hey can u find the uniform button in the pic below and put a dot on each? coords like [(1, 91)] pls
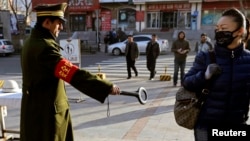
[(27, 92)]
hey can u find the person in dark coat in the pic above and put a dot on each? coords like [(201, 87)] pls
[(152, 52), (121, 35), (180, 47), (227, 104), (131, 53), (45, 112)]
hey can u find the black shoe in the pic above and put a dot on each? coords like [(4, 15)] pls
[(151, 78), (136, 74), (128, 77)]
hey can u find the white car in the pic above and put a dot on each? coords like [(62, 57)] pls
[(6, 47), (142, 41)]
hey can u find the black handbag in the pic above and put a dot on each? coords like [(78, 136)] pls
[(187, 107), (187, 104)]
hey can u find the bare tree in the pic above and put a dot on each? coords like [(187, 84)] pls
[(17, 7)]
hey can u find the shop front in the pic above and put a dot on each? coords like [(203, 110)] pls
[(114, 16), (83, 15), (211, 10), (164, 16)]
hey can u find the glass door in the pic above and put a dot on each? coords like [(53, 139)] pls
[(153, 20), (77, 22), (184, 20), (169, 20)]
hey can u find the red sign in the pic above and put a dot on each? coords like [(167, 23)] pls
[(139, 16), (88, 21), (106, 20), (175, 6), (217, 0), (83, 5)]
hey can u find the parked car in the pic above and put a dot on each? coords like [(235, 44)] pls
[(142, 41), (6, 47)]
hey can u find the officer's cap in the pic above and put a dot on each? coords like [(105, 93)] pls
[(53, 10)]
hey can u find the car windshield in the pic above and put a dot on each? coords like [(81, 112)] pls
[(7, 43)]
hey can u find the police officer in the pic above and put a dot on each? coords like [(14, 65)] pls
[(45, 109)]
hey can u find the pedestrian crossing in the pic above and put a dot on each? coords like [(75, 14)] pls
[(115, 70), (116, 67)]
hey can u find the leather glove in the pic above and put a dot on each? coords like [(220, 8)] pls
[(115, 90), (212, 70)]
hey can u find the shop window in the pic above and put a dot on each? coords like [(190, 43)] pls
[(210, 17), (153, 20), (126, 18), (77, 22)]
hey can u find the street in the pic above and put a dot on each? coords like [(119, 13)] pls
[(126, 118), (120, 118)]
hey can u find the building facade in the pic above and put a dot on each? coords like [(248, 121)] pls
[(143, 15)]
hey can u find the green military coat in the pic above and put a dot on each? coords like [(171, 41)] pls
[(45, 109)]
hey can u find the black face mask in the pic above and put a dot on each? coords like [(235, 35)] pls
[(224, 38)]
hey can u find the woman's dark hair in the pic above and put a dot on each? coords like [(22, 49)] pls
[(238, 18)]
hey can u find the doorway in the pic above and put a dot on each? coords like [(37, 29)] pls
[(153, 20), (184, 20), (169, 20)]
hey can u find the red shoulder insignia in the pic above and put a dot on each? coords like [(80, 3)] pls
[(65, 70)]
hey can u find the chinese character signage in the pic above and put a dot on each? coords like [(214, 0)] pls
[(83, 5), (176, 6)]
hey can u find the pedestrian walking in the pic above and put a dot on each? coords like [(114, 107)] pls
[(121, 35), (180, 47), (204, 44), (45, 108), (131, 53), (152, 52), (227, 104)]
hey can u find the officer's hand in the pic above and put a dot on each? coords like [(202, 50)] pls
[(115, 90), (212, 70)]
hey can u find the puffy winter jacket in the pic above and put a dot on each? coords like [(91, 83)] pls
[(228, 100)]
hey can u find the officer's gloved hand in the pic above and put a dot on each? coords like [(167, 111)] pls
[(212, 70)]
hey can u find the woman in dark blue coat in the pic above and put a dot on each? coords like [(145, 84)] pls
[(227, 103)]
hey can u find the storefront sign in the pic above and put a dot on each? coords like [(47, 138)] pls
[(83, 5), (216, 0), (222, 5), (175, 6), (106, 20), (139, 16)]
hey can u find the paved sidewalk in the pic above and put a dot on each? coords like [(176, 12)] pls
[(128, 120)]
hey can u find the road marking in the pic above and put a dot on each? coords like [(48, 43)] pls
[(1, 83)]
